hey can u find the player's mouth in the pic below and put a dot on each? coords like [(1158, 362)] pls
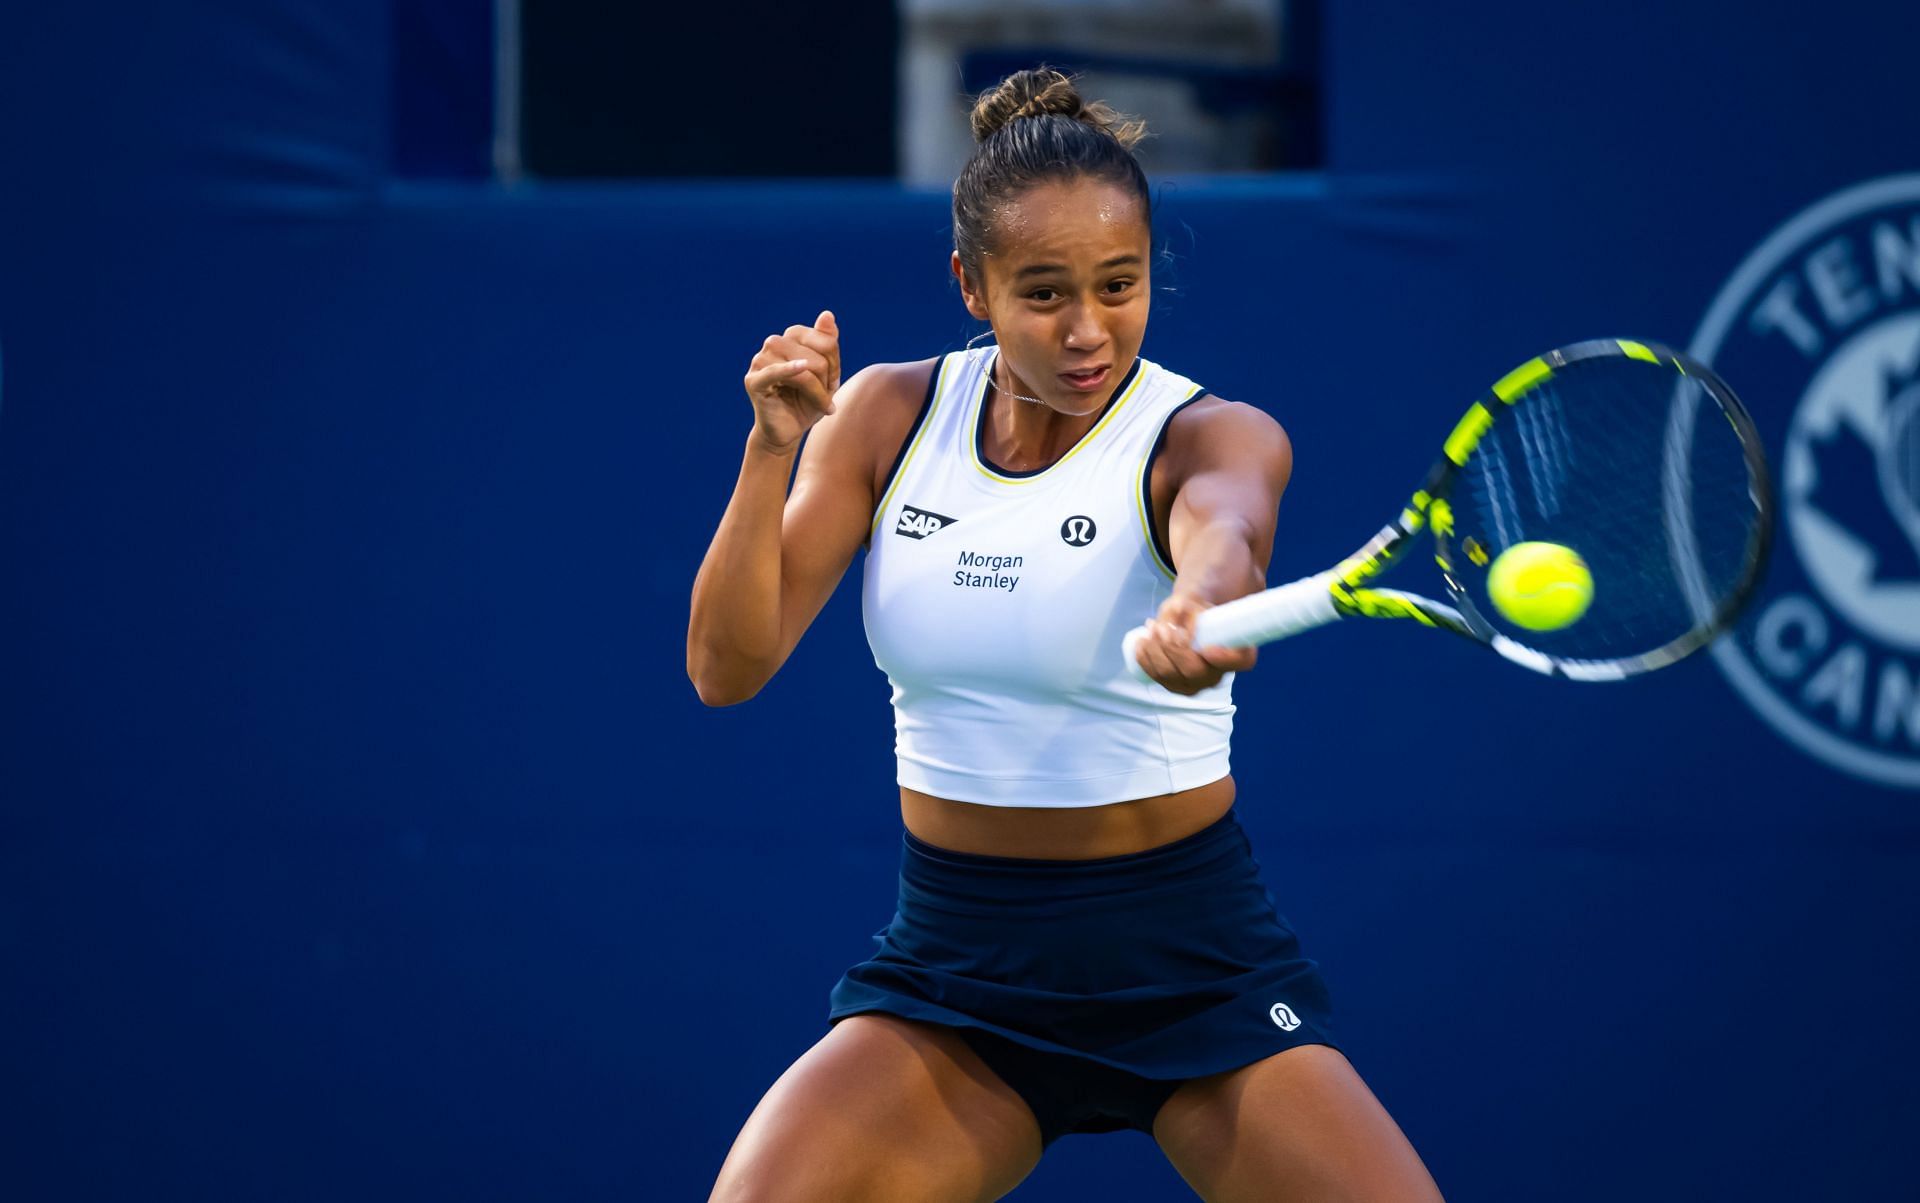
[(1088, 380)]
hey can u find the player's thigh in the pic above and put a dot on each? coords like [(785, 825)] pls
[(883, 1108), (1298, 1125)]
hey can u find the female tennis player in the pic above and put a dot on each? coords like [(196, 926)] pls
[(1082, 943)]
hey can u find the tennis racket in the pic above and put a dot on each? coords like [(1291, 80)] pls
[(1639, 459)]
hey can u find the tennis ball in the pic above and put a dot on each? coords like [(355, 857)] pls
[(1540, 586)]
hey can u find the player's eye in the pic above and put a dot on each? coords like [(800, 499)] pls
[(1042, 295)]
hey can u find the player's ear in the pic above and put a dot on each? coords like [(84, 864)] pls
[(976, 304)]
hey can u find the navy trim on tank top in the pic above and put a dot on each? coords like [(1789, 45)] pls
[(1160, 547), (913, 432), (980, 420)]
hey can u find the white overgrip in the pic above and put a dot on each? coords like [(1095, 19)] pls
[(1254, 619)]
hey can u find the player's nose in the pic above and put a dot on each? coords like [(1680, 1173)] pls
[(1084, 329)]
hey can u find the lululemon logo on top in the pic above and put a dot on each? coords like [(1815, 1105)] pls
[(1078, 531), (1819, 330), (1284, 1016), (918, 524)]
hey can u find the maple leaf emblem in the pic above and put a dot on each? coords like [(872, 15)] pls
[(1875, 493)]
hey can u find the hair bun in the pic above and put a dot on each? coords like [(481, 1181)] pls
[(1039, 91)]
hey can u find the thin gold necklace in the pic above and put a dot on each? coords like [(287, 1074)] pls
[(991, 383)]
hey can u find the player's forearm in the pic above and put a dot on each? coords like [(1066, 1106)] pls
[(1218, 563), (733, 635)]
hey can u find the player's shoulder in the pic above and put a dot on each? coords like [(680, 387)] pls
[(884, 399), (883, 392), (887, 379), (874, 410), (1211, 424)]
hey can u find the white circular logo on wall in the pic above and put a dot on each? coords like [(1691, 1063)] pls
[(1819, 332)]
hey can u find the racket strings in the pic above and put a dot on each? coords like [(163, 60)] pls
[(1635, 467)]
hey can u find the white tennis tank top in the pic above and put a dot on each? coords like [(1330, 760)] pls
[(995, 602)]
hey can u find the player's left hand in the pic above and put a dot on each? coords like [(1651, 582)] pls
[(1168, 656)]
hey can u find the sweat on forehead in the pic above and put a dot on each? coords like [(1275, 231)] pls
[(1065, 209)]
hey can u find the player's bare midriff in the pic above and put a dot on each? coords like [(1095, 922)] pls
[(1065, 833)]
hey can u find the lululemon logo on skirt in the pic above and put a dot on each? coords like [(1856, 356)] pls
[(1284, 1016)]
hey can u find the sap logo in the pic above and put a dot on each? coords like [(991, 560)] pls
[(918, 524), (1821, 325)]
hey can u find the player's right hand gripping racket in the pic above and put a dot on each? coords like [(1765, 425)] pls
[(1637, 458)]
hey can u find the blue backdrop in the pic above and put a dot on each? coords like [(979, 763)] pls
[(361, 836)]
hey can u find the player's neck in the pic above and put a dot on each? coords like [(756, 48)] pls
[(1021, 436)]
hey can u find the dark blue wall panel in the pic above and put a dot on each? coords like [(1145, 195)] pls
[(360, 835)]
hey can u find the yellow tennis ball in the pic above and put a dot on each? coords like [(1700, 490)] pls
[(1540, 586)]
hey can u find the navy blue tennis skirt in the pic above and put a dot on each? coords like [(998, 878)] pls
[(1095, 987)]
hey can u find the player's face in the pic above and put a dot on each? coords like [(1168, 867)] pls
[(1066, 288)]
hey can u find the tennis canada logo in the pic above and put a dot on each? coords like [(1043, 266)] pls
[(1819, 332)]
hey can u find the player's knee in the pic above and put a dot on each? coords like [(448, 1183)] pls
[(757, 1180), (779, 1158), (769, 1180), (742, 1188)]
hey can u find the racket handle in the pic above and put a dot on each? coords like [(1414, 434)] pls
[(1254, 619)]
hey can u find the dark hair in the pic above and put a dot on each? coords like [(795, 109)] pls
[(1031, 129)]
